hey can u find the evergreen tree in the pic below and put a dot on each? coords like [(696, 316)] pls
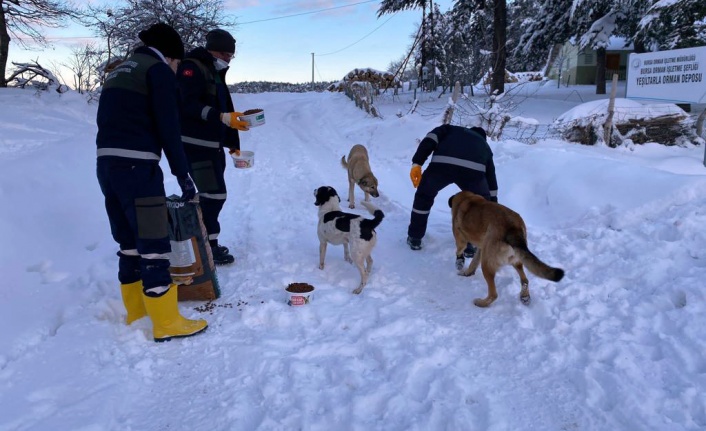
[(547, 24), (476, 24), (519, 13), (673, 25)]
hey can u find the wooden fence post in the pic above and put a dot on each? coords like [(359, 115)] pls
[(608, 126)]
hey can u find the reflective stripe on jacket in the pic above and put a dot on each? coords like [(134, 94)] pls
[(138, 115), (204, 96), (459, 146)]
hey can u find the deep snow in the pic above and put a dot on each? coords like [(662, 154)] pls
[(618, 344)]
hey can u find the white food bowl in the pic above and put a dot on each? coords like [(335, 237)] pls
[(299, 294), (254, 117), (245, 160)]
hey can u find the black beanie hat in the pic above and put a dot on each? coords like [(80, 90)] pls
[(480, 131), (165, 39), (220, 41)]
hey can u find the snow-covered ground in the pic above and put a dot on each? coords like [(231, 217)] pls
[(618, 344)]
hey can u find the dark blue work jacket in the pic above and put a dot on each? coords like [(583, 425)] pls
[(459, 147), (204, 96), (138, 113)]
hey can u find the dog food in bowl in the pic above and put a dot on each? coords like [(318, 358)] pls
[(299, 294), (254, 117), (245, 160)]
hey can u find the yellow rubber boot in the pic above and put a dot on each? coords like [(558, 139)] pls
[(132, 298), (167, 322)]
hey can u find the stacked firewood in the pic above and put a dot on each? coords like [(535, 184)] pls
[(379, 80)]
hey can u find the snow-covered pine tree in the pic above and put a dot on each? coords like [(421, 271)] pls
[(519, 14), (593, 23), (546, 24), (474, 28), (672, 25)]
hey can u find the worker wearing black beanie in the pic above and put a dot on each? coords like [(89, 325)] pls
[(220, 41), (165, 39), (138, 121)]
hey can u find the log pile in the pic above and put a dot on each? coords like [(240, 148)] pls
[(665, 129), (378, 79), (509, 78), (670, 129)]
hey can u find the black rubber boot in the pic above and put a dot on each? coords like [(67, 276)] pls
[(220, 257), (470, 251), (414, 243), (222, 248)]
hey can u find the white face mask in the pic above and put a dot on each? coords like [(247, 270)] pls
[(220, 64)]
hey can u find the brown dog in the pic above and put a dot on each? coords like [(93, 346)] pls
[(501, 237), (359, 172)]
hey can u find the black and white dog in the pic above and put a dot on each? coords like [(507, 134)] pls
[(337, 227)]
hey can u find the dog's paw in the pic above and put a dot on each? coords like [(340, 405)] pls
[(358, 289), (321, 266), (348, 259), (460, 261), (351, 206), (484, 302), (466, 273)]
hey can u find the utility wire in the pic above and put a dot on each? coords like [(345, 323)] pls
[(359, 40), (306, 13), (239, 23)]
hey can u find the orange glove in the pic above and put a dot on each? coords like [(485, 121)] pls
[(230, 119), (415, 175), (234, 151)]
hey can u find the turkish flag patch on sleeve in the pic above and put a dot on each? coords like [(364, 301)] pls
[(188, 73)]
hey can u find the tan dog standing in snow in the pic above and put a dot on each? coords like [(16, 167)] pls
[(359, 172)]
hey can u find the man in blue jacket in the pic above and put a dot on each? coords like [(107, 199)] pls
[(138, 118), (208, 125), (461, 156)]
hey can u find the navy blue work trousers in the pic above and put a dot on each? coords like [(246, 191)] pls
[(208, 167), (434, 179), (136, 206)]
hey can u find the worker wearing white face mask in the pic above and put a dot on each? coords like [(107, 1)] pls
[(208, 124)]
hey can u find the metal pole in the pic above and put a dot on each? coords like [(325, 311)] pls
[(312, 70)]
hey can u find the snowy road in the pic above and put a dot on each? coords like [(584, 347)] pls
[(617, 344)]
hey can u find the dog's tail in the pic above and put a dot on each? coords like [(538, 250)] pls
[(517, 241), (378, 215), (343, 162)]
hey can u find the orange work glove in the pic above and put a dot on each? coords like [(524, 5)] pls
[(234, 151), (415, 175), (230, 119)]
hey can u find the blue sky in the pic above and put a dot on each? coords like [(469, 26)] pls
[(276, 39)]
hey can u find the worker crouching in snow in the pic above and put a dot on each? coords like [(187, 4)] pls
[(461, 156)]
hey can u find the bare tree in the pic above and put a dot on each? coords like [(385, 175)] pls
[(34, 75), (119, 27), (84, 64), (26, 17)]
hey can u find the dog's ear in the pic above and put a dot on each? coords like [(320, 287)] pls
[(451, 201), (363, 182), (321, 195)]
